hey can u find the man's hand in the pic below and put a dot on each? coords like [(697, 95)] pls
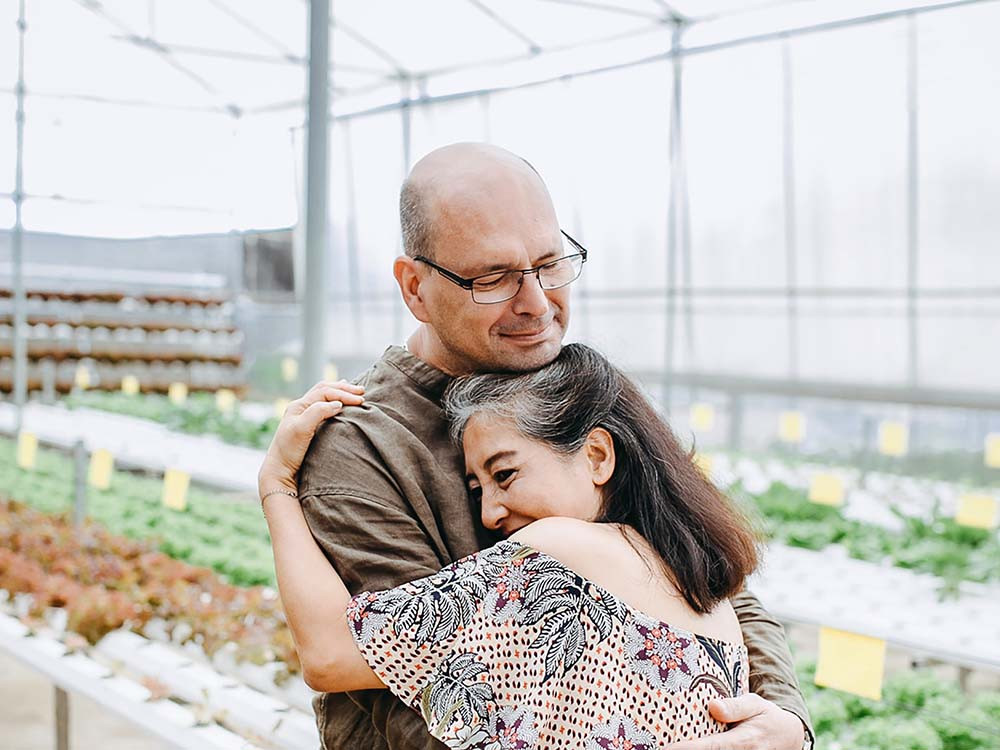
[(760, 725)]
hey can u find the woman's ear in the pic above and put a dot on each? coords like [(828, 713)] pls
[(600, 452), (408, 277)]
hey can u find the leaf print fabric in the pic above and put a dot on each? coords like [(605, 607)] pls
[(509, 649)]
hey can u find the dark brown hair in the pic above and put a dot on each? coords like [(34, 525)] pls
[(705, 544)]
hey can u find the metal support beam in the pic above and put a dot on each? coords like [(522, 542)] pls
[(353, 263), (406, 132), (912, 203), (61, 718), (317, 204), (17, 239), (788, 186), (672, 211)]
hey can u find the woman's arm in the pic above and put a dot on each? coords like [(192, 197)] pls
[(314, 598)]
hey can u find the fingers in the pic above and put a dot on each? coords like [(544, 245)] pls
[(732, 710), (316, 413), (346, 393), (342, 385)]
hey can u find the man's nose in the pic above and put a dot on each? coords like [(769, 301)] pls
[(530, 298)]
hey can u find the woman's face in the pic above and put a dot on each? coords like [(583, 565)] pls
[(519, 480)]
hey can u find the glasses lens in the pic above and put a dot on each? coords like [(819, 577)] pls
[(560, 273), (496, 288)]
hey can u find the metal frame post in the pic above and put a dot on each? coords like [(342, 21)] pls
[(406, 134), (61, 718), (17, 240), (791, 217), (912, 200), (673, 210), (317, 203)]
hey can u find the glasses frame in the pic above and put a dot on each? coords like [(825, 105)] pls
[(468, 283)]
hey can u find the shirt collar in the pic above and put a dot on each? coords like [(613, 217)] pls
[(428, 377)]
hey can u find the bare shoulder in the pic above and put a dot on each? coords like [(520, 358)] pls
[(574, 542)]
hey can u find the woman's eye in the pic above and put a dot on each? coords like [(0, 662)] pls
[(476, 494), (502, 476)]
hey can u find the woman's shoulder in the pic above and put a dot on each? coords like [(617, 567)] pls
[(577, 544)]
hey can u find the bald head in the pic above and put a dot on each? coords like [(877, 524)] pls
[(455, 188)]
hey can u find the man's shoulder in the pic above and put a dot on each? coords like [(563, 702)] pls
[(400, 425)]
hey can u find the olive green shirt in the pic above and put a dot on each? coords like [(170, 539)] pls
[(383, 490)]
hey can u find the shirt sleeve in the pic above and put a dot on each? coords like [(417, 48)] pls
[(374, 539), (772, 671), (420, 639)]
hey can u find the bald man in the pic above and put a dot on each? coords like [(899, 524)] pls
[(383, 487)]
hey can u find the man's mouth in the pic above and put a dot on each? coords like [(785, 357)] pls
[(529, 335)]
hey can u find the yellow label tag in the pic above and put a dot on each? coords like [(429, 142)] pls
[(792, 427), (893, 439), (101, 465), (977, 510), (225, 400), (177, 393), (704, 462), (280, 404), (175, 487), (330, 372), (289, 369), (702, 417), (992, 451), (81, 379), (851, 662), (27, 450), (827, 489), (130, 385)]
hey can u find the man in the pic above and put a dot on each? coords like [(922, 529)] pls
[(382, 487)]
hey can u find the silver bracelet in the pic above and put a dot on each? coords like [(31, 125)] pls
[(268, 494)]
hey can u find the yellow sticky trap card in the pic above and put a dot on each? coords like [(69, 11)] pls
[(130, 385), (977, 510), (704, 462), (330, 372), (702, 417), (827, 489), (225, 400), (893, 439), (175, 487), (177, 393), (851, 662), (792, 427), (27, 450), (992, 451), (81, 378), (101, 465), (289, 369), (280, 404)]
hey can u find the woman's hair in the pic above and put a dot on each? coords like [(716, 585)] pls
[(705, 543)]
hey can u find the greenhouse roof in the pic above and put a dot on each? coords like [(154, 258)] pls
[(249, 57)]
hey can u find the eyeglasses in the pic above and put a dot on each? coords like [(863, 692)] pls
[(500, 286)]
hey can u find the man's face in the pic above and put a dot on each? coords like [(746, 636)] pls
[(508, 226)]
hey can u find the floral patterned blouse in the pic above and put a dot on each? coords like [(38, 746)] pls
[(509, 649)]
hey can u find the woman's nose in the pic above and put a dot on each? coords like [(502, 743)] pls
[(492, 514)]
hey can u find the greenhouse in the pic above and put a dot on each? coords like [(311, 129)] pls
[(777, 220)]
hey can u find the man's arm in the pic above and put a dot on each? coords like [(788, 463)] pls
[(375, 540), (772, 671)]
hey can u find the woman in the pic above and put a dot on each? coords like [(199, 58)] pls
[(601, 621)]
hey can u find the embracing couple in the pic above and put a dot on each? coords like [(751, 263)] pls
[(498, 542)]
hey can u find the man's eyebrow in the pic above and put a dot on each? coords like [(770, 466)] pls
[(540, 261)]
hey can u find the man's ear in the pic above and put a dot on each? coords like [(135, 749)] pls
[(408, 277), (600, 448)]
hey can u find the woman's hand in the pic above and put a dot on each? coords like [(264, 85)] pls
[(298, 425)]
